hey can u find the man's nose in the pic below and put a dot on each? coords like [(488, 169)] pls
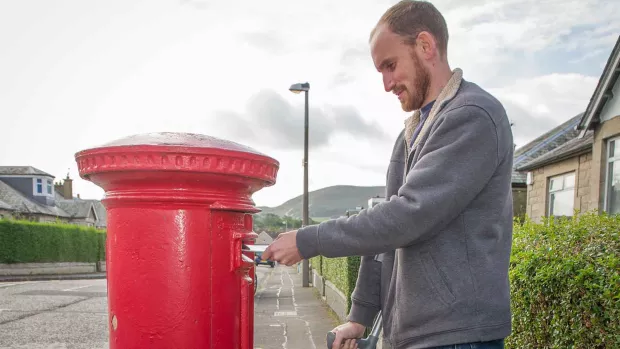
[(388, 84)]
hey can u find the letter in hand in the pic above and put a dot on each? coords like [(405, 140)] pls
[(284, 249)]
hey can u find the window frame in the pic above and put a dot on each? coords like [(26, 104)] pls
[(47, 186), (609, 160), (564, 188), (38, 184)]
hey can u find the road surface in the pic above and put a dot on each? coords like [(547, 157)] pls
[(68, 314)]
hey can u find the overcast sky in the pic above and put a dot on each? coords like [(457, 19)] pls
[(76, 74)]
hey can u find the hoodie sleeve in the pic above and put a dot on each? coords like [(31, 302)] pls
[(366, 297), (460, 157)]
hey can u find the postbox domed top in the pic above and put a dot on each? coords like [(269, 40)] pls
[(180, 152), (175, 139)]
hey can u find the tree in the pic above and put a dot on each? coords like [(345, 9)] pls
[(270, 223)]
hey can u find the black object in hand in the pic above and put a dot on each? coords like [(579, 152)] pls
[(369, 342)]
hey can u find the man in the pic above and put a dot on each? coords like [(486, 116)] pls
[(435, 255)]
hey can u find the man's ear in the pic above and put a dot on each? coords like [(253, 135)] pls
[(427, 46)]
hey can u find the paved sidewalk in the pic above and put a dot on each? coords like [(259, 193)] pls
[(72, 314), (48, 277), (289, 316)]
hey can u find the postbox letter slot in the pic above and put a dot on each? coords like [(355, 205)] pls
[(238, 248), (253, 248)]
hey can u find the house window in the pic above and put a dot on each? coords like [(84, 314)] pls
[(49, 187), (39, 186), (562, 195), (612, 180)]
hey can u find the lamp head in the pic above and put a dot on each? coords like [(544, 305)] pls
[(300, 87)]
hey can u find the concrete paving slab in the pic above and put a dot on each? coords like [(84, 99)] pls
[(289, 316)]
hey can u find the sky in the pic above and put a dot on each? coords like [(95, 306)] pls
[(78, 74)]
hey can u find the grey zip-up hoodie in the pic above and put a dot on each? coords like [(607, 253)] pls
[(435, 255)]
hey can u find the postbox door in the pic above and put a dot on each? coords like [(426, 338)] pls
[(233, 278)]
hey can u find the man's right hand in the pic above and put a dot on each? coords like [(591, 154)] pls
[(350, 330)]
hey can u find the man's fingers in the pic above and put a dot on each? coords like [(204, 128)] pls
[(267, 254), (350, 344), (338, 340)]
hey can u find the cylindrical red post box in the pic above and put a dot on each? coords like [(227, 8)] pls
[(179, 210)]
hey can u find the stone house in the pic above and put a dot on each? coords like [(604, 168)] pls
[(579, 169), (29, 193), (540, 146)]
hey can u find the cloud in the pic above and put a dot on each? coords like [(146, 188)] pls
[(352, 60), (196, 4), (271, 120), (342, 78), (177, 66), (526, 124), (537, 105), (267, 40), (353, 55), (531, 25), (498, 42)]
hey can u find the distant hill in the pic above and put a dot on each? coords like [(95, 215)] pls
[(328, 202)]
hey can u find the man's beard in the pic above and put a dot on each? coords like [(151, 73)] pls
[(421, 85)]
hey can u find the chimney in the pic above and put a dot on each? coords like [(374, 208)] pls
[(67, 188), (58, 187)]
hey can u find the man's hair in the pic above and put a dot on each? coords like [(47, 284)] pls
[(408, 18)]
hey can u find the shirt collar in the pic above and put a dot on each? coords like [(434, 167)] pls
[(426, 109)]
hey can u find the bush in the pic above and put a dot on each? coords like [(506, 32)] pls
[(565, 283), (30, 242), (564, 277), (317, 264), (342, 272)]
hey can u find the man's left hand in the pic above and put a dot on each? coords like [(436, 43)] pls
[(284, 249)]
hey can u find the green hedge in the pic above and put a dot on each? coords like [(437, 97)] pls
[(565, 282), (30, 242), (317, 264), (342, 272)]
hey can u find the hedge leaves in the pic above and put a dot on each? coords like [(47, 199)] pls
[(564, 277)]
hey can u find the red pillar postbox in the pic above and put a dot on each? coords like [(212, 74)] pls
[(179, 209)]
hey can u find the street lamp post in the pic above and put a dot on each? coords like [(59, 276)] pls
[(298, 88)]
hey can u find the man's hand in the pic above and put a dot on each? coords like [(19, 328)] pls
[(284, 249), (346, 335)]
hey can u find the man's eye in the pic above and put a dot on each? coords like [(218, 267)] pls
[(391, 66)]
